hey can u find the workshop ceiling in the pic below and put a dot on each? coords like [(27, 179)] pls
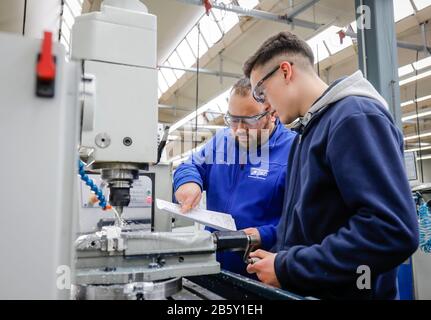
[(229, 39)]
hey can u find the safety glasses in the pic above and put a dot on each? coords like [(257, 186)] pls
[(249, 121), (258, 91)]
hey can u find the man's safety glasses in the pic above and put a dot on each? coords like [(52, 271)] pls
[(249, 121)]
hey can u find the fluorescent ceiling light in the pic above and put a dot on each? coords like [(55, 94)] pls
[(405, 70), (424, 98), (423, 158), (417, 149), (407, 103), (415, 116), (423, 63), (414, 78), (422, 135)]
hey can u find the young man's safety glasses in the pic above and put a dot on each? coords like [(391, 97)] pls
[(258, 91)]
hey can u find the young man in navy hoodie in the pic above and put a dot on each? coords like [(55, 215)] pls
[(348, 214), (243, 171)]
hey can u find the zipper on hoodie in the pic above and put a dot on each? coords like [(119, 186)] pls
[(294, 181), (301, 133)]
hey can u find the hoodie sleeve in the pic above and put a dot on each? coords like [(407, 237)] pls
[(267, 235), (365, 156), (194, 169)]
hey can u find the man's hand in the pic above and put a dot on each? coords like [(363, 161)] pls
[(255, 233), (188, 195), (264, 268)]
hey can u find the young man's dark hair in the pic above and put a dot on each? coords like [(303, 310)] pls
[(348, 217), (283, 43)]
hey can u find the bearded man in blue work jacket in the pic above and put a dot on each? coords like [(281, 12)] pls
[(349, 219), (243, 171)]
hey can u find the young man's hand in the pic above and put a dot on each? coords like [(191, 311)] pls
[(254, 232), (264, 268), (188, 196)]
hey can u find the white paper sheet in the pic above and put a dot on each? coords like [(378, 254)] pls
[(216, 220)]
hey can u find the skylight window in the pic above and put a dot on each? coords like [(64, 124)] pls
[(75, 6), (402, 9), (175, 61), (421, 4), (227, 20), (192, 38), (184, 55), (220, 101), (71, 9), (169, 76), (163, 86), (318, 46), (248, 4), (210, 30), (332, 40)]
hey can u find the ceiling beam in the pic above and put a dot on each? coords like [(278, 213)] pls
[(259, 14)]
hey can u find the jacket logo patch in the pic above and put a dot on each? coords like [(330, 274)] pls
[(258, 173)]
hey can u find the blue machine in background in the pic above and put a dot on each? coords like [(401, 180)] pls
[(414, 281)]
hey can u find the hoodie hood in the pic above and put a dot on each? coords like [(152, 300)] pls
[(354, 85)]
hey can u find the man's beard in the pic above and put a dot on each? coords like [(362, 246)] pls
[(252, 141)]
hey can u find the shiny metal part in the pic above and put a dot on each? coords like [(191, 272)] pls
[(102, 140), (114, 256), (152, 290)]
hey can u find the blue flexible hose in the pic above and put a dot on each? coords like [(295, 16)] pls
[(89, 182)]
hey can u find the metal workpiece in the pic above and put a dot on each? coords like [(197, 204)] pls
[(157, 290), (143, 242), (115, 256)]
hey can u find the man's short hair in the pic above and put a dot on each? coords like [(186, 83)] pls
[(242, 87), (283, 43)]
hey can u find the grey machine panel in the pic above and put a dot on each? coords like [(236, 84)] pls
[(38, 167)]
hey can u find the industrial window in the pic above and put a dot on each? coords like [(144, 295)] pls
[(192, 38), (163, 86), (210, 30), (248, 4), (402, 9), (169, 76), (186, 54), (71, 9), (227, 20), (318, 46), (175, 61), (421, 4), (332, 40)]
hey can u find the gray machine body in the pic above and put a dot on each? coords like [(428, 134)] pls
[(38, 169)]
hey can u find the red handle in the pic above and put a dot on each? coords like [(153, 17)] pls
[(46, 65)]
